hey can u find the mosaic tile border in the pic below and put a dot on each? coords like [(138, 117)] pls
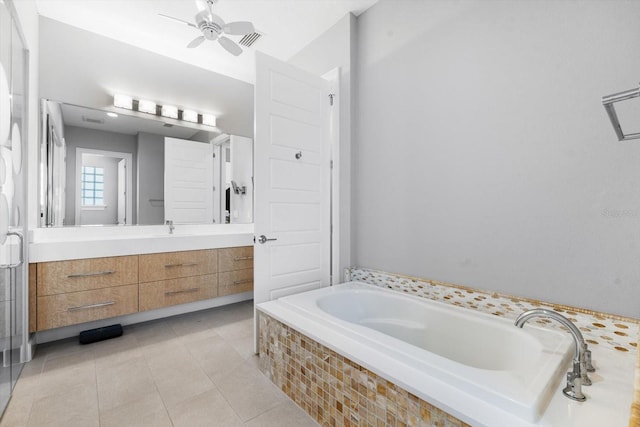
[(334, 390), (610, 331)]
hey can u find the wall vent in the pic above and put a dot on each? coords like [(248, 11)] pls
[(250, 39), (93, 121)]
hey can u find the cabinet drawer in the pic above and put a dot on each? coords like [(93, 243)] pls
[(233, 282), (59, 277), (177, 291), (55, 311), (170, 265), (231, 259)]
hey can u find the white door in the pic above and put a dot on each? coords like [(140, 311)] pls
[(188, 181), (122, 192), (242, 175), (292, 181)]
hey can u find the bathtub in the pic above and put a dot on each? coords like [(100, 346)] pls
[(478, 367)]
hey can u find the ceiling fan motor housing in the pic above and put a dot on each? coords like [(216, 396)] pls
[(209, 24)]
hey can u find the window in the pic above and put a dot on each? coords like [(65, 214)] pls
[(92, 186)]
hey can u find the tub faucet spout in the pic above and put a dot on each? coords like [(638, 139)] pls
[(577, 377)]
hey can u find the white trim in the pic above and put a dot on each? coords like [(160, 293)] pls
[(78, 178)]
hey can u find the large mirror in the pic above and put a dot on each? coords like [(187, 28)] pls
[(99, 168)]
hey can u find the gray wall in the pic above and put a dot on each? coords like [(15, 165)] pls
[(95, 140), (150, 179), (483, 155)]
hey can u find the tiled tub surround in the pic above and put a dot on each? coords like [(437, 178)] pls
[(310, 379), (334, 390)]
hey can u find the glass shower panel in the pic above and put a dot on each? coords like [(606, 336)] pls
[(6, 187), (13, 186), (19, 287)]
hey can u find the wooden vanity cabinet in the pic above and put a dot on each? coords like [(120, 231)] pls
[(63, 293), (177, 278), (77, 291), (235, 266)]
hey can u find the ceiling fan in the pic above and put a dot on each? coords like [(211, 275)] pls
[(213, 27)]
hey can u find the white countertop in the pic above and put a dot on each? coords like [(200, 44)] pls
[(65, 243)]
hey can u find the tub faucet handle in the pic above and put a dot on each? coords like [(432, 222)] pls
[(587, 360), (573, 390)]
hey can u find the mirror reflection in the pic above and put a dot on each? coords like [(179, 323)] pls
[(101, 168)]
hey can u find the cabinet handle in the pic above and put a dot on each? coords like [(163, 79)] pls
[(243, 258), (240, 282), (97, 273), (191, 264), (84, 307), (184, 291)]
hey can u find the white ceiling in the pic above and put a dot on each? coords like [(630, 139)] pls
[(287, 25)]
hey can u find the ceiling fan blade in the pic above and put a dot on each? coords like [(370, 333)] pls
[(239, 28), (178, 20), (230, 45), (196, 42)]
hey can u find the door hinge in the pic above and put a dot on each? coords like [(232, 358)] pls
[(331, 96), (214, 155), (331, 164)]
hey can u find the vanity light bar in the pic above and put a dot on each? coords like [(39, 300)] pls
[(170, 111)]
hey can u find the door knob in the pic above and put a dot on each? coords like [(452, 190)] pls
[(263, 239)]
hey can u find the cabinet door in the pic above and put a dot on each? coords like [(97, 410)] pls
[(171, 265), (165, 293), (58, 277), (231, 259)]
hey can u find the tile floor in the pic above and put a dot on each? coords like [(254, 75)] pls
[(196, 369)]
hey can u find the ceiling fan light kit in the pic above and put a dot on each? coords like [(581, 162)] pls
[(214, 28)]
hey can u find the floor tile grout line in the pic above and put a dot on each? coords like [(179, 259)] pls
[(230, 321), (155, 383)]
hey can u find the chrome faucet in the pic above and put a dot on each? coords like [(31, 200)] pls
[(172, 227), (581, 358)]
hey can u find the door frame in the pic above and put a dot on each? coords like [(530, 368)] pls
[(78, 179)]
